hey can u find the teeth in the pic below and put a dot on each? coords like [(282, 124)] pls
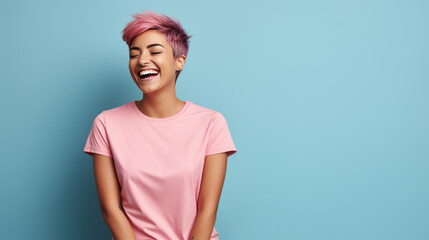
[(145, 72)]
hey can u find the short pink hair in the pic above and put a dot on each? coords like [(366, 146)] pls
[(173, 30)]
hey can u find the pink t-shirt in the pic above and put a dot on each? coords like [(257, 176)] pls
[(159, 164)]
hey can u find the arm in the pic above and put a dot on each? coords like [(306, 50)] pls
[(109, 198), (211, 188)]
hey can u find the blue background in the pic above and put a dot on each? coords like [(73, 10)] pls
[(327, 103)]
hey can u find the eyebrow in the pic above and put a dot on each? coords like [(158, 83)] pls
[(148, 46)]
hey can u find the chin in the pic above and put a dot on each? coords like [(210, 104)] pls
[(150, 88)]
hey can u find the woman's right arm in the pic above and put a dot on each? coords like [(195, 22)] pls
[(109, 198)]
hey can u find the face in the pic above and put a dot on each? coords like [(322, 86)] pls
[(150, 50)]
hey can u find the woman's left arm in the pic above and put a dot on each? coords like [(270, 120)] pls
[(211, 188)]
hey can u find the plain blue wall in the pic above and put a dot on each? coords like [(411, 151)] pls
[(327, 103)]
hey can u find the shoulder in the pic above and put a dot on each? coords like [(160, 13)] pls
[(208, 112), (212, 116), (117, 111), (111, 115)]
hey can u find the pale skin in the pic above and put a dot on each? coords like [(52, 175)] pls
[(159, 101)]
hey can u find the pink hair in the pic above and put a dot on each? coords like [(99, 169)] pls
[(173, 30)]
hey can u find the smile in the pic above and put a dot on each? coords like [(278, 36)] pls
[(148, 76), (148, 72)]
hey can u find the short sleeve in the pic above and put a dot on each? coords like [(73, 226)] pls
[(219, 137), (97, 141)]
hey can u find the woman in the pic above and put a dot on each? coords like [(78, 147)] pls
[(159, 163)]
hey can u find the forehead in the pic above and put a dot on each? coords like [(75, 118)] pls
[(150, 37)]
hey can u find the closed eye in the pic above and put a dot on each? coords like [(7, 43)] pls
[(137, 55)]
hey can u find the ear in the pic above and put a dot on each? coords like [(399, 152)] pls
[(180, 62)]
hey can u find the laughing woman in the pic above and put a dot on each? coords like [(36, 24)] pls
[(159, 162)]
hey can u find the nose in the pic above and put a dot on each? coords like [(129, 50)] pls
[(144, 59)]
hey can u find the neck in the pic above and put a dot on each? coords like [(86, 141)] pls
[(160, 107)]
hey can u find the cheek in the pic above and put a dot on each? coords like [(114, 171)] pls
[(131, 66), (167, 65)]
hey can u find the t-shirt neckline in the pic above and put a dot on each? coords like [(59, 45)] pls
[(142, 115)]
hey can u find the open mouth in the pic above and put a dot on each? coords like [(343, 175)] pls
[(148, 74)]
